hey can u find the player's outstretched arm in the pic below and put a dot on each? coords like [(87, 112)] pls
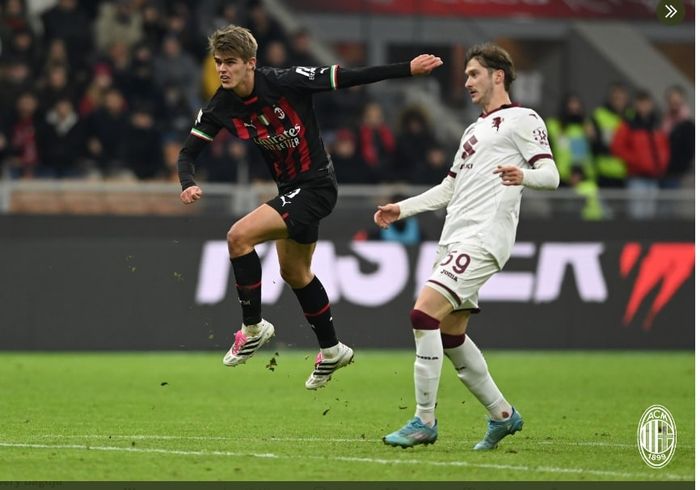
[(387, 214), (349, 77)]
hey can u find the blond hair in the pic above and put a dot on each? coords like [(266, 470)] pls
[(494, 57), (235, 40)]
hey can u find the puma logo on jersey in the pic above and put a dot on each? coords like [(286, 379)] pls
[(279, 113)]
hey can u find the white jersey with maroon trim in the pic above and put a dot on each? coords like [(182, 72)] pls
[(482, 210)]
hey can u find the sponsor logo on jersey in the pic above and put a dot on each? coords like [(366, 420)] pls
[(540, 136), (289, 138)]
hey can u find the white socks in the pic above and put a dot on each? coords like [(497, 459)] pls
[(426, 373), (473, 372)]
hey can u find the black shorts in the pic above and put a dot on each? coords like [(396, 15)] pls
[(302, 208)]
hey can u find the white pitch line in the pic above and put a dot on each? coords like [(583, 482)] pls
[(464, 464), (306, 439)]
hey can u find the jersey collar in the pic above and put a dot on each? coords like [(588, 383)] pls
[(504, 106)]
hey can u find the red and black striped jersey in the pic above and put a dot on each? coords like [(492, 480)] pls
[(278, 117)]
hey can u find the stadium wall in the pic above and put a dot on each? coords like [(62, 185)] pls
[(121, 283)]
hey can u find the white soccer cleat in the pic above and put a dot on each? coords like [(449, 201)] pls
[(244, 346), (324, 367)]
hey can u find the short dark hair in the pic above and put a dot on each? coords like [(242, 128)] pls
[(493, 57)]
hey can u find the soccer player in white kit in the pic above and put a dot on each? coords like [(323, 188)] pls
[(505, 150)]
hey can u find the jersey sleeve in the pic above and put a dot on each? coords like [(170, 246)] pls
[(205, 129), (206, 126), (324, 78), (530, 137), (307, 78)]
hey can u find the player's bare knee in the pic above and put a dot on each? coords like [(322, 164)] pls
[(296, 277), (238, 243)]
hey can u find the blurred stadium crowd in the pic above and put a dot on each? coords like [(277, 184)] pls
[(109, 89)]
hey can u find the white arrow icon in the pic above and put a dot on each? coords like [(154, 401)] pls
[(671, 11)]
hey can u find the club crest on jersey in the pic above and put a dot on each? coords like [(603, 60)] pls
[(279, 113), (496, 122)]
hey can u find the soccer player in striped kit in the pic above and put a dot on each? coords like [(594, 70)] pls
[(273, 108), (504, 150)]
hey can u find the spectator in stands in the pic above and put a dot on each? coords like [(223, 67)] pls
[(107, 138), (337, 110), (15, 78), (419, 158), (610, 170), (68, 22), (61, 140), (173, 65), (641, 143), (171, 153), (153, 26), (141, 85), (592, 208), (3, 141), (275, 55), (22, 148), (54, 87), (144, 151), (300, 52), (680, 130), (433, 168), (177, 114), (377, 144), (263, 27), (569, 135), (181, 24), (119, 59), (13, 19), (56, 54), (23, 46), (349, 167), (118, 21), (94, 95), (226, 158), (218, 14)]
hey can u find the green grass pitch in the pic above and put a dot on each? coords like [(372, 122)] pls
[(184, 416)]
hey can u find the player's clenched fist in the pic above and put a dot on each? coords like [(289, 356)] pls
[(191, 194), (386, 215)]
